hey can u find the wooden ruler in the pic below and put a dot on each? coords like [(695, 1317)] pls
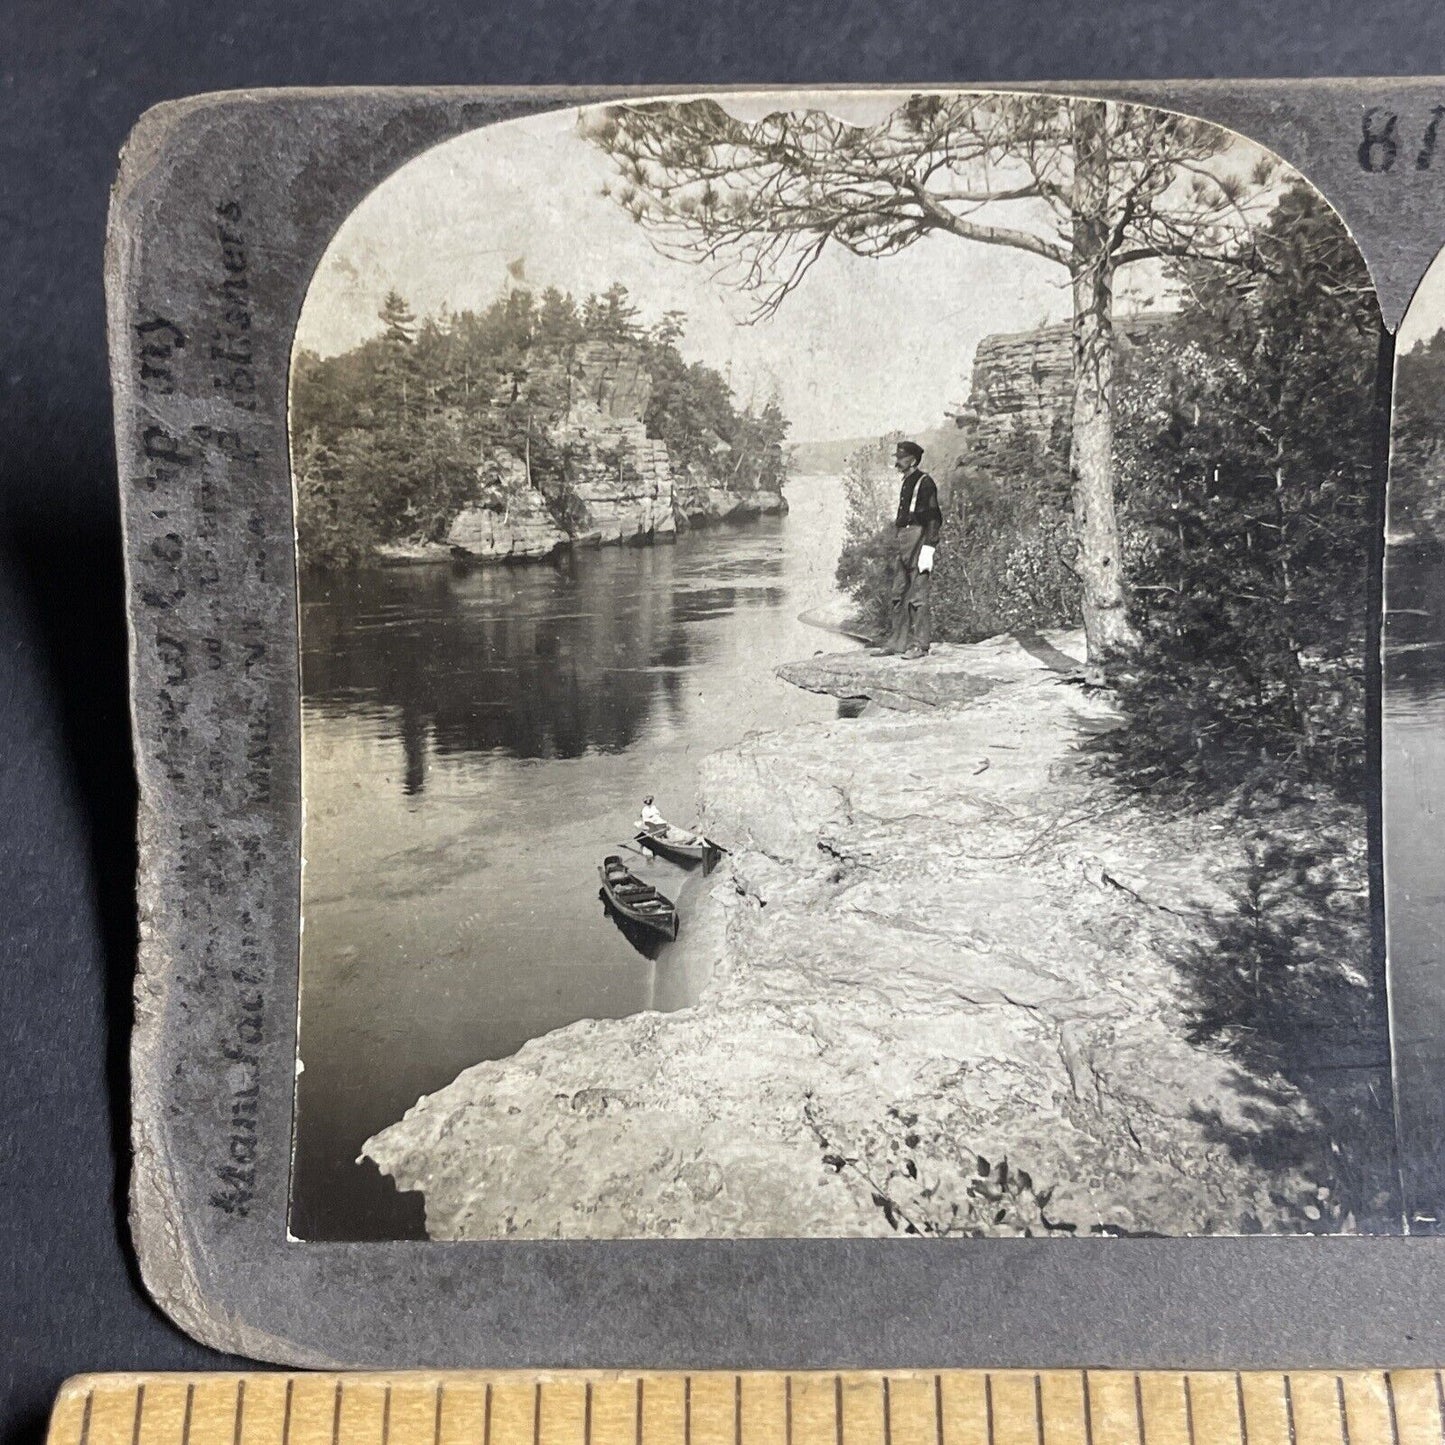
[(953, 1407)]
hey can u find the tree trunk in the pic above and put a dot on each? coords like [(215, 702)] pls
[(1091, 465)]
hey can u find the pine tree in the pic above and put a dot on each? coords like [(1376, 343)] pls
[(1248, 444), (398, 319), (1417, 446), (612, 316), (1090, 186)]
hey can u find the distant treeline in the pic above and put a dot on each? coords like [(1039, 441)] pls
[(1417, 458), (394, 437)]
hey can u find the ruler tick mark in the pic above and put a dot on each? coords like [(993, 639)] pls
[(186, 1421), (687, 1410), (1039, 1409), (1139, 1407), (1344, 1410), (1239, 1405), (436, 1426), (1440, 1404), (336, 1415), (738, 1410), (838, 1409), (639, 1410), (988, 1405), (1088, 1412), (286, 1415), (1390, 1401), (887, 1413), (1189, 1411), (240, 1411), (487, 1417), (140, 1404), (587, 1414), (938, 1409), (537, 1414), (788, 1410), (1289, 1411)]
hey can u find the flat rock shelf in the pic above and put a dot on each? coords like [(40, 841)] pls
[(942, 1002)]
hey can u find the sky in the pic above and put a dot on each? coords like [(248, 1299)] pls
[(1426, 312), (863, 347)]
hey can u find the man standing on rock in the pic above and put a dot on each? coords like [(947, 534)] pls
[(917, 528)]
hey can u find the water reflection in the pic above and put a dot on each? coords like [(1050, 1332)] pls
[(536, 662), (1414, 804), (474, 744), (1414, 635), (647, 941)]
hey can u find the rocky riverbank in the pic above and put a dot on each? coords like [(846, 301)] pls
[(618, 483), (943, 1002)]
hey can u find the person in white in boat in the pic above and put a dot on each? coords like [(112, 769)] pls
[(654, 823)]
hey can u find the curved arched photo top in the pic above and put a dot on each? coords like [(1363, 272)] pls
[(995, 212), (1048, 913), (1417, 481)]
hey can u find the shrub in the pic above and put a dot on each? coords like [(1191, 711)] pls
[(1005, 560)]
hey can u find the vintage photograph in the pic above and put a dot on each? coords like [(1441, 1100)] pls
[(836, 662), (1414, 747)]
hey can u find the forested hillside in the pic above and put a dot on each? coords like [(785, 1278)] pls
[(395, 438), (1417, 465)]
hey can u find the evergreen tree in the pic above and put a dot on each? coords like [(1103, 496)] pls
[(1248, 442), (559, 326), (397, 317), (1417, 445), (1090, 186), (612, 316), (394, 437)]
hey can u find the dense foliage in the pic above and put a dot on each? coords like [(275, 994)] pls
[(1417, 447), (394, 437), (1248, 457)]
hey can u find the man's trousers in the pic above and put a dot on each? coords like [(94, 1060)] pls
[(909, 591)]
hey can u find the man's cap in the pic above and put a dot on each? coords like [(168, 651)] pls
[(648, 798), (909, 449)]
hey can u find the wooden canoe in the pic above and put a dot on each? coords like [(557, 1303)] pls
[(634, 899), (704, 852)]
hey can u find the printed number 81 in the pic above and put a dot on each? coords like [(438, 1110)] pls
[(1379, 146)]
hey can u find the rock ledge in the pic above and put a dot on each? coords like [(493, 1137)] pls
[(942, 1003)]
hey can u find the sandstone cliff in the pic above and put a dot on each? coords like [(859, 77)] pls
[(513, 521), (941, 1003), (1017, 377), (1028, 376), (618, 478), (618, 485)]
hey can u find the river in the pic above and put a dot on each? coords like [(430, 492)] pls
[(475, 741), (1414, 813)]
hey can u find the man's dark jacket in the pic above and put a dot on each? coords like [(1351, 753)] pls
[(918, 505)]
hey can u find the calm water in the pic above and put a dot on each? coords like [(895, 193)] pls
[(475, 742), (1414, 776)]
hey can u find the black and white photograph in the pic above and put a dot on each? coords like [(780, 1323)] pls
[(836, 641), (1413, 756)]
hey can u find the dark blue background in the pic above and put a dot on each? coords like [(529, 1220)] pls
[(73, 78)]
